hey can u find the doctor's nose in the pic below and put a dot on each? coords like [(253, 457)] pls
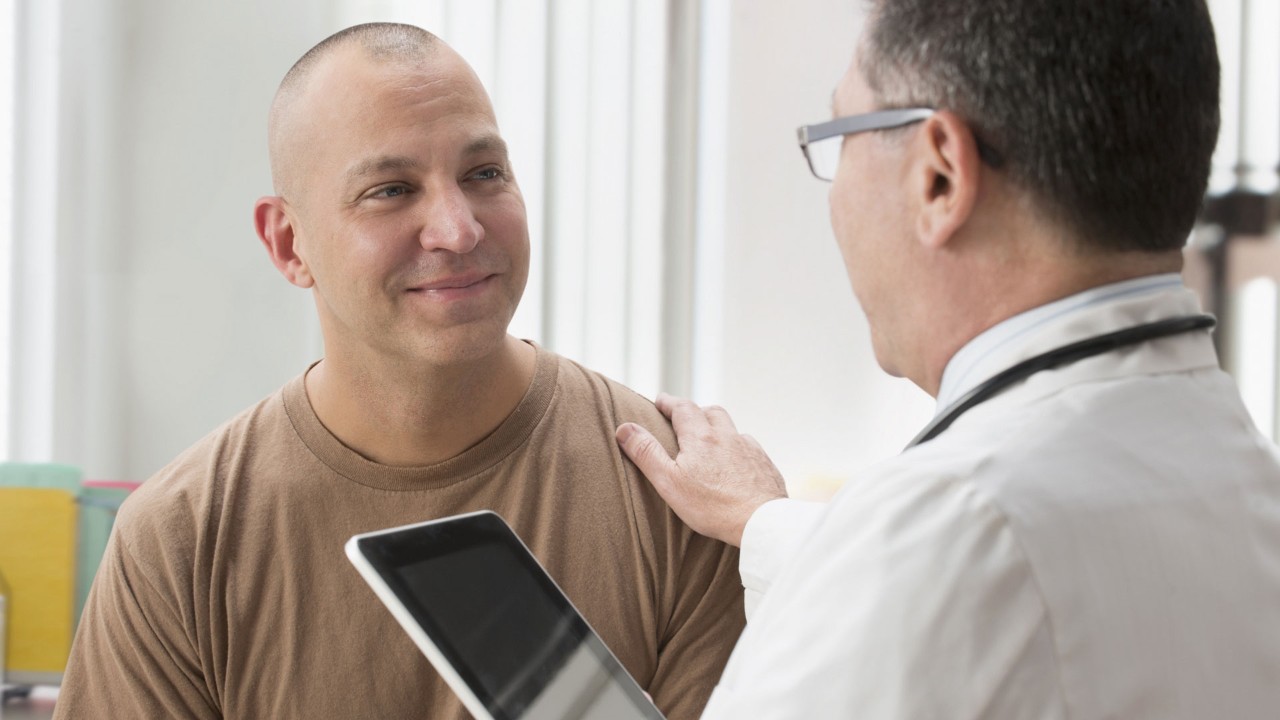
[(450, 224)]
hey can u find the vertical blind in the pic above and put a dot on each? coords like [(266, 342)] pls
[(27, 253)]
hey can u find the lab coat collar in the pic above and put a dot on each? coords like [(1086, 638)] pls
[(1099, 310)]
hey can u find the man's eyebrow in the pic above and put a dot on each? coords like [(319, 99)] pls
[(486, 144), (373, 166), (380, 164)]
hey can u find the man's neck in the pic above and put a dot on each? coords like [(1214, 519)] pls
[(422, 416)]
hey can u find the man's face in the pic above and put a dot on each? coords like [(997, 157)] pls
[(867, 216), (406, 212)]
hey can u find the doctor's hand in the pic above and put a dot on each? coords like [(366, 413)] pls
[(718, 478)]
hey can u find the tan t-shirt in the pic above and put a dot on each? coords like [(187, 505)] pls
[(225, 591)]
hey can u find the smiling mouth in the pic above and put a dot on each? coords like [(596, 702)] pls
[(453, 286)]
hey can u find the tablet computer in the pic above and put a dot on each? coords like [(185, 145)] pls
[(493, 622)]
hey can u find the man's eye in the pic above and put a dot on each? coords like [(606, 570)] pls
[(391, 191), (489, 173)]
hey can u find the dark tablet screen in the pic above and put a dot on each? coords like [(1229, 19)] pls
[(502, 623)]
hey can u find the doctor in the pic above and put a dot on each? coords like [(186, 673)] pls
[(1094, 534)]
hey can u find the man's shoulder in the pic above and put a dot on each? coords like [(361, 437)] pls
[(580, 389)]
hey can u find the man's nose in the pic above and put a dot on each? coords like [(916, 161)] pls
[(449, 222)]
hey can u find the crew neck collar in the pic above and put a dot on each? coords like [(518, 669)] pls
[(508, 436)]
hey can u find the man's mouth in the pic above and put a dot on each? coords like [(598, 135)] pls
[(453, 282)]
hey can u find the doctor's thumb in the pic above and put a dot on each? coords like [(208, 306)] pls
[(645, 451)]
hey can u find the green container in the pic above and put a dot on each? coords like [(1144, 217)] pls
[(40, 475), (98, 507)]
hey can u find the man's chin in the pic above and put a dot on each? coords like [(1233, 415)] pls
[(886, 358), (464, 344)]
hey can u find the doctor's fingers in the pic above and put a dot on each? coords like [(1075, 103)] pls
[(686, 417), (719, 418), (691, 421)]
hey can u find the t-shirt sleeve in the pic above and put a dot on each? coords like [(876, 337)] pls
[(705, 622), (132, 656), (698, 592)]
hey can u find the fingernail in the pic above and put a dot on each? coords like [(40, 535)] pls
[(624, 433)]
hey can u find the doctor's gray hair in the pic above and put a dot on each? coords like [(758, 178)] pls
[(1105, 111)]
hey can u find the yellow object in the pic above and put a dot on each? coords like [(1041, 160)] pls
[(38, 560)]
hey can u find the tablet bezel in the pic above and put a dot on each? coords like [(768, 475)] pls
[(378, 555)]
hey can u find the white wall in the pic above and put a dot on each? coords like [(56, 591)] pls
[(180, 320), (212, 326), (796, 368)]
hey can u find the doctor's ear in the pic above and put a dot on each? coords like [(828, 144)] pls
[(275, 226), (947, 179)]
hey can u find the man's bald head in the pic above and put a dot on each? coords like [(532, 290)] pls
[(381, 42)]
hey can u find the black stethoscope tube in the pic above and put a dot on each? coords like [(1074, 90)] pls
[(1058, 357)]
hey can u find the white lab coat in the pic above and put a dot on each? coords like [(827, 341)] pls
[(1099, 541)]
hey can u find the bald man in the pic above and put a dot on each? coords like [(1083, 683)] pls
[(224, 592)]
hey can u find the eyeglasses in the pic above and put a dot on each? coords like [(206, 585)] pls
[(821, 143)]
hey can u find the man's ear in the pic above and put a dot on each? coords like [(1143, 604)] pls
[(275, 226), (948, 180)]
